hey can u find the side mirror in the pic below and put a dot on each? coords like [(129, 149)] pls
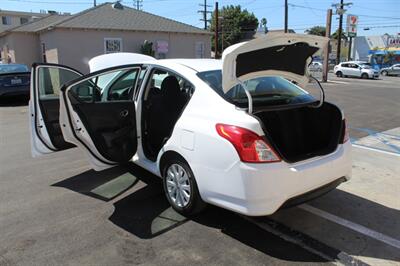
[(359, 68)]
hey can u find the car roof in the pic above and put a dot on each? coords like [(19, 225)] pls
[(199, 65), (354, 62)]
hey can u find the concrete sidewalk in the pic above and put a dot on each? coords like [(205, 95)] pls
[(361, 217)]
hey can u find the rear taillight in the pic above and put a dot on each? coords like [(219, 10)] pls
[(251, 147), (345, 132)]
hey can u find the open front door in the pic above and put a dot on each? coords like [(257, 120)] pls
[(44, 107), (98, 115)]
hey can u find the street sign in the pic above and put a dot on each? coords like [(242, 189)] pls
[(351, 26)]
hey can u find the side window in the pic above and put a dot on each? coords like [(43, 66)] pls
[(155, 84), (50, 80), (345, 65), (354, 66), (117, 85)]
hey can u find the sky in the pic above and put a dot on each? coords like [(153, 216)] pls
[(380, 16)]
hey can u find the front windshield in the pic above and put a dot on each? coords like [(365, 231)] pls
[(270, 91)]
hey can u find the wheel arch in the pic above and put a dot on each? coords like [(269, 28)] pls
[(166, 156)]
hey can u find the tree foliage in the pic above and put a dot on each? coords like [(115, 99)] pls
[(235, 25), (320, 31), (316, 30), (335, 35), (147, 48)]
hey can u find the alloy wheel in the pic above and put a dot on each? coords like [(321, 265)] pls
[(178, 185)]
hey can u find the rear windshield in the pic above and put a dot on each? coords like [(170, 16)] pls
[(4, 68), (265, 91)]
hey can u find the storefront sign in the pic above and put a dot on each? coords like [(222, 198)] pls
[(352, 22), (393, 42)]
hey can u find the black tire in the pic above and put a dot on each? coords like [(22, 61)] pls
[(364, 76), (339, 74), (195, 203), (384, 73)]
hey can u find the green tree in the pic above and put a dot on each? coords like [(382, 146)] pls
[(336, 34), (316, 30), (235, 25), (147, 48)]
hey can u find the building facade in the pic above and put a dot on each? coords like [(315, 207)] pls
[(380, 51), (74, 40), (11, 19)]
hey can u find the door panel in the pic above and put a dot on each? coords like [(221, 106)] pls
[(98, 115), (44, 106), (112, 127)]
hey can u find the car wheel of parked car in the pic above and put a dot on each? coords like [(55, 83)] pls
[(180, 187), (384, 73), (364, 76), (339, 74)]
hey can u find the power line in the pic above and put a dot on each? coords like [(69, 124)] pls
[(204, 13)]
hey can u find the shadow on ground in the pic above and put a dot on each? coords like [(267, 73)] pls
[(146, 213), (14, 101)]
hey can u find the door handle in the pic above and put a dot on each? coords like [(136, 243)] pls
[(124, 113)]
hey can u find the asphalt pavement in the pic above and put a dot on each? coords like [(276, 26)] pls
[(54, 210)]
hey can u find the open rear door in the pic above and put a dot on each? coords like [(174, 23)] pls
[(44, 106), (98, 115)]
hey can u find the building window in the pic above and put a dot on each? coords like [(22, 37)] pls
[(199, 50), (112, 45), (23, 20), (6, 20)]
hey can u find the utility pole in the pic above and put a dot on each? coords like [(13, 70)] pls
[(340, 11), (204, 13), (216, 30), (94, 2), (286, 16), (326, 51), (349, 51), (139, 4), (339, 40)]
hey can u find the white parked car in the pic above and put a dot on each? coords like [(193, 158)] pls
[(235, 132), (315, 66), (355, 69)]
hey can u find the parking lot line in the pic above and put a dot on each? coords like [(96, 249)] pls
[(356, 227), (375, 149), (336, 82)]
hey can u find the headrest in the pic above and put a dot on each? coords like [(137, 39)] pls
[(170, 87)]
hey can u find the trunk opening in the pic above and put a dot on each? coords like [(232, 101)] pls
[(302, 133)]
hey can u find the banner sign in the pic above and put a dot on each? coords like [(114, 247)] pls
[(162, 47)]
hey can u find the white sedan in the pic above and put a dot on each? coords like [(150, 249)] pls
[(357, 69), (241, 133)]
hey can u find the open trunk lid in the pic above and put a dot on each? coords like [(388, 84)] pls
[(286, 55)]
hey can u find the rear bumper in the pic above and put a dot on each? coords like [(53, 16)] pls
[(14, 91), (261, 189), (313, 193)]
